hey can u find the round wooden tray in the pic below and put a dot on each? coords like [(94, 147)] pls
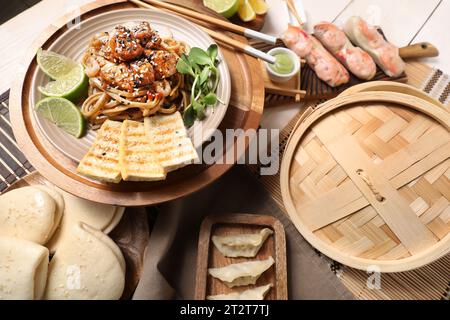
[(131, 235), (365, 179), (244, 112)]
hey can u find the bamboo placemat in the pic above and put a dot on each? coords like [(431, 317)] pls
[(429, 282), (13, 164)]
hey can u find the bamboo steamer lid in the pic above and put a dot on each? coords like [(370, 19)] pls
[(365, 178)]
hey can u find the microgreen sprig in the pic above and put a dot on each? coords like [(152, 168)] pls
[(200, 67)]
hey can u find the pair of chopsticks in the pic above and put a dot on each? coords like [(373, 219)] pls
[(203, 21), (293, 10)]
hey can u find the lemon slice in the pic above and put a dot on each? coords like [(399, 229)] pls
[(259, 6), (226, 8), (64, 114), (246, 12)]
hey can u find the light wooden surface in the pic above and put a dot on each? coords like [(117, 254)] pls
[(357, 183), (210, 257)]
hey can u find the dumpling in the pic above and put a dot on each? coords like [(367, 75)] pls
[(97, 215), (27, 213), (115, 220), (23, 269), (59, 204), (241, 274), (88, 265), (241, 245), (257, 293)]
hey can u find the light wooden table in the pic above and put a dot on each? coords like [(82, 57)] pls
[(403, 21)]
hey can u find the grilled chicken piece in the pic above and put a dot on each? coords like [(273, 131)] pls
[(123, 45), (146, 36), (128, 76), (318, 58), (121, 61), (354, 59), (163, 62)]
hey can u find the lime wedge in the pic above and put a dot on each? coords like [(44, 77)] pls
[(259, 6), (226, 8), (63, 113), (246, 12), (54, 65), (71, 86)]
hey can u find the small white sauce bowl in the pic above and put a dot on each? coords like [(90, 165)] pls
[(281, 77)]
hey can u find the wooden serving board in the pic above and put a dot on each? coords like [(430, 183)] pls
[(210, 257), (131, 235), (244, 112), (317, 89), (310, 87), (365, 179)]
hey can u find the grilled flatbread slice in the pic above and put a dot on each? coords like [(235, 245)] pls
[(170, 141), (102, 160), (137, 160)]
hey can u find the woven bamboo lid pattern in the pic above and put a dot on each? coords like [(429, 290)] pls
[(365, 179)]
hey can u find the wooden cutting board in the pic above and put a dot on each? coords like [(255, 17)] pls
[(210, 257), (310, 87), (131, 235), (365, 178)]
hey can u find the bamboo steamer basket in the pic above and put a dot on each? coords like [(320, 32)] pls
[(365, 178)]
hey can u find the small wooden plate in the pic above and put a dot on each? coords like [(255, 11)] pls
[(131, 235), (365, 179), (210, 257), (290, 88)]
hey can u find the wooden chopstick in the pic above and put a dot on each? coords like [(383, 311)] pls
[(211, 20), (294, 11), (220, 37)]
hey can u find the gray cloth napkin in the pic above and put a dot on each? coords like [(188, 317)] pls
[(170, 258)]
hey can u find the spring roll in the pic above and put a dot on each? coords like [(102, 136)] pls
[(356, 60), (385, 54)]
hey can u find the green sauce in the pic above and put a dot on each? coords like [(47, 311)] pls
[(283, 63)]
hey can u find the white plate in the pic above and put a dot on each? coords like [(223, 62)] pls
[(73, 44)]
